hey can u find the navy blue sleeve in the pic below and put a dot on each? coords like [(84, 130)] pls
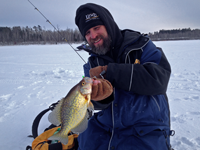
[(150, 77)]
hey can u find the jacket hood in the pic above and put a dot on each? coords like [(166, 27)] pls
[(108, 20)]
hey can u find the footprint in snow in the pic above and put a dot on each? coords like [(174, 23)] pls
[(186, 98), (180, 76), (195, 97), (177, 99), (186, 141), (177, 119), (193, 73)]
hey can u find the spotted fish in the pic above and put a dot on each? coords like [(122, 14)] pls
[(71, 111)]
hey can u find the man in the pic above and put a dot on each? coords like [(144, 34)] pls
[(135, 113)]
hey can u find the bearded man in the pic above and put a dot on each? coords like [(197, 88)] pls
[(131, 91)]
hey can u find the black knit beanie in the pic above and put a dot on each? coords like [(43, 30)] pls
[(87, 19)]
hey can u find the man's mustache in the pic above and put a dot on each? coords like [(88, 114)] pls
[(98, 37)]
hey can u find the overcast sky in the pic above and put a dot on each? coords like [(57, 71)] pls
[(140, 15)]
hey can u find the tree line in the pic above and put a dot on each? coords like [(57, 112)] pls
[(175, 34), (37, 35)]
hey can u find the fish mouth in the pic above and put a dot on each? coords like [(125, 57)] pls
[(87, 90)]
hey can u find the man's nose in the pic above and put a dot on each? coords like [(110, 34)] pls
[(93, 35)]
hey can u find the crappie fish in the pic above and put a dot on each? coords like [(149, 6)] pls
[(71, 111)]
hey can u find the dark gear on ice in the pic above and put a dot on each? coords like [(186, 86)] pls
[(136, 115)]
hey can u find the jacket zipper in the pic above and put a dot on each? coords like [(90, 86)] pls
[(128, 54), (98, 61), (112, 122), (156, 103), (131, 77), (136, 49)]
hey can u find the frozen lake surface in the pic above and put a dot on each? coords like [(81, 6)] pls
[(33, 77)]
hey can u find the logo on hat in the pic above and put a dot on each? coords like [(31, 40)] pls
[(91, 16)]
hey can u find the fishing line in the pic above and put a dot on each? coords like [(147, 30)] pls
[(57, 30)]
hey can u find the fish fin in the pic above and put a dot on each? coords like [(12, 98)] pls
[(82, 126), (59, 137), (90, 110), (90, 106), (54, 116)]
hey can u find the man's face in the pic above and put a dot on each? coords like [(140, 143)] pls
[(98, 39)]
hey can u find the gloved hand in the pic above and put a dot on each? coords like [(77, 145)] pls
[(95, 72), (101, 89)]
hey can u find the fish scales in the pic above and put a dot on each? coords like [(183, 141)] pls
[(73, 115)]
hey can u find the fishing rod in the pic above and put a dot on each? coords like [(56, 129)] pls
[(57, 30)]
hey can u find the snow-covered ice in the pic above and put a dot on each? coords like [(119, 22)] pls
[(33, 77)]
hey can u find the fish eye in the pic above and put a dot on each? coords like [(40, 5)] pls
[(83, 83)]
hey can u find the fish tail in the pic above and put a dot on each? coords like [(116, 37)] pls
[(62, 138)]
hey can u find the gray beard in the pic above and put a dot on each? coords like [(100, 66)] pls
[(104, 48)]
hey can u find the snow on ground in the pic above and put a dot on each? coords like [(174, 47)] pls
[(33, 77), (184, 92)]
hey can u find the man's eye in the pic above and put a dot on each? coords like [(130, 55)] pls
[(87, 33), (97, 28)]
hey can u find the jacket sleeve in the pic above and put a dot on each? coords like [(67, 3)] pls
[(151, 77), (98, 105)]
